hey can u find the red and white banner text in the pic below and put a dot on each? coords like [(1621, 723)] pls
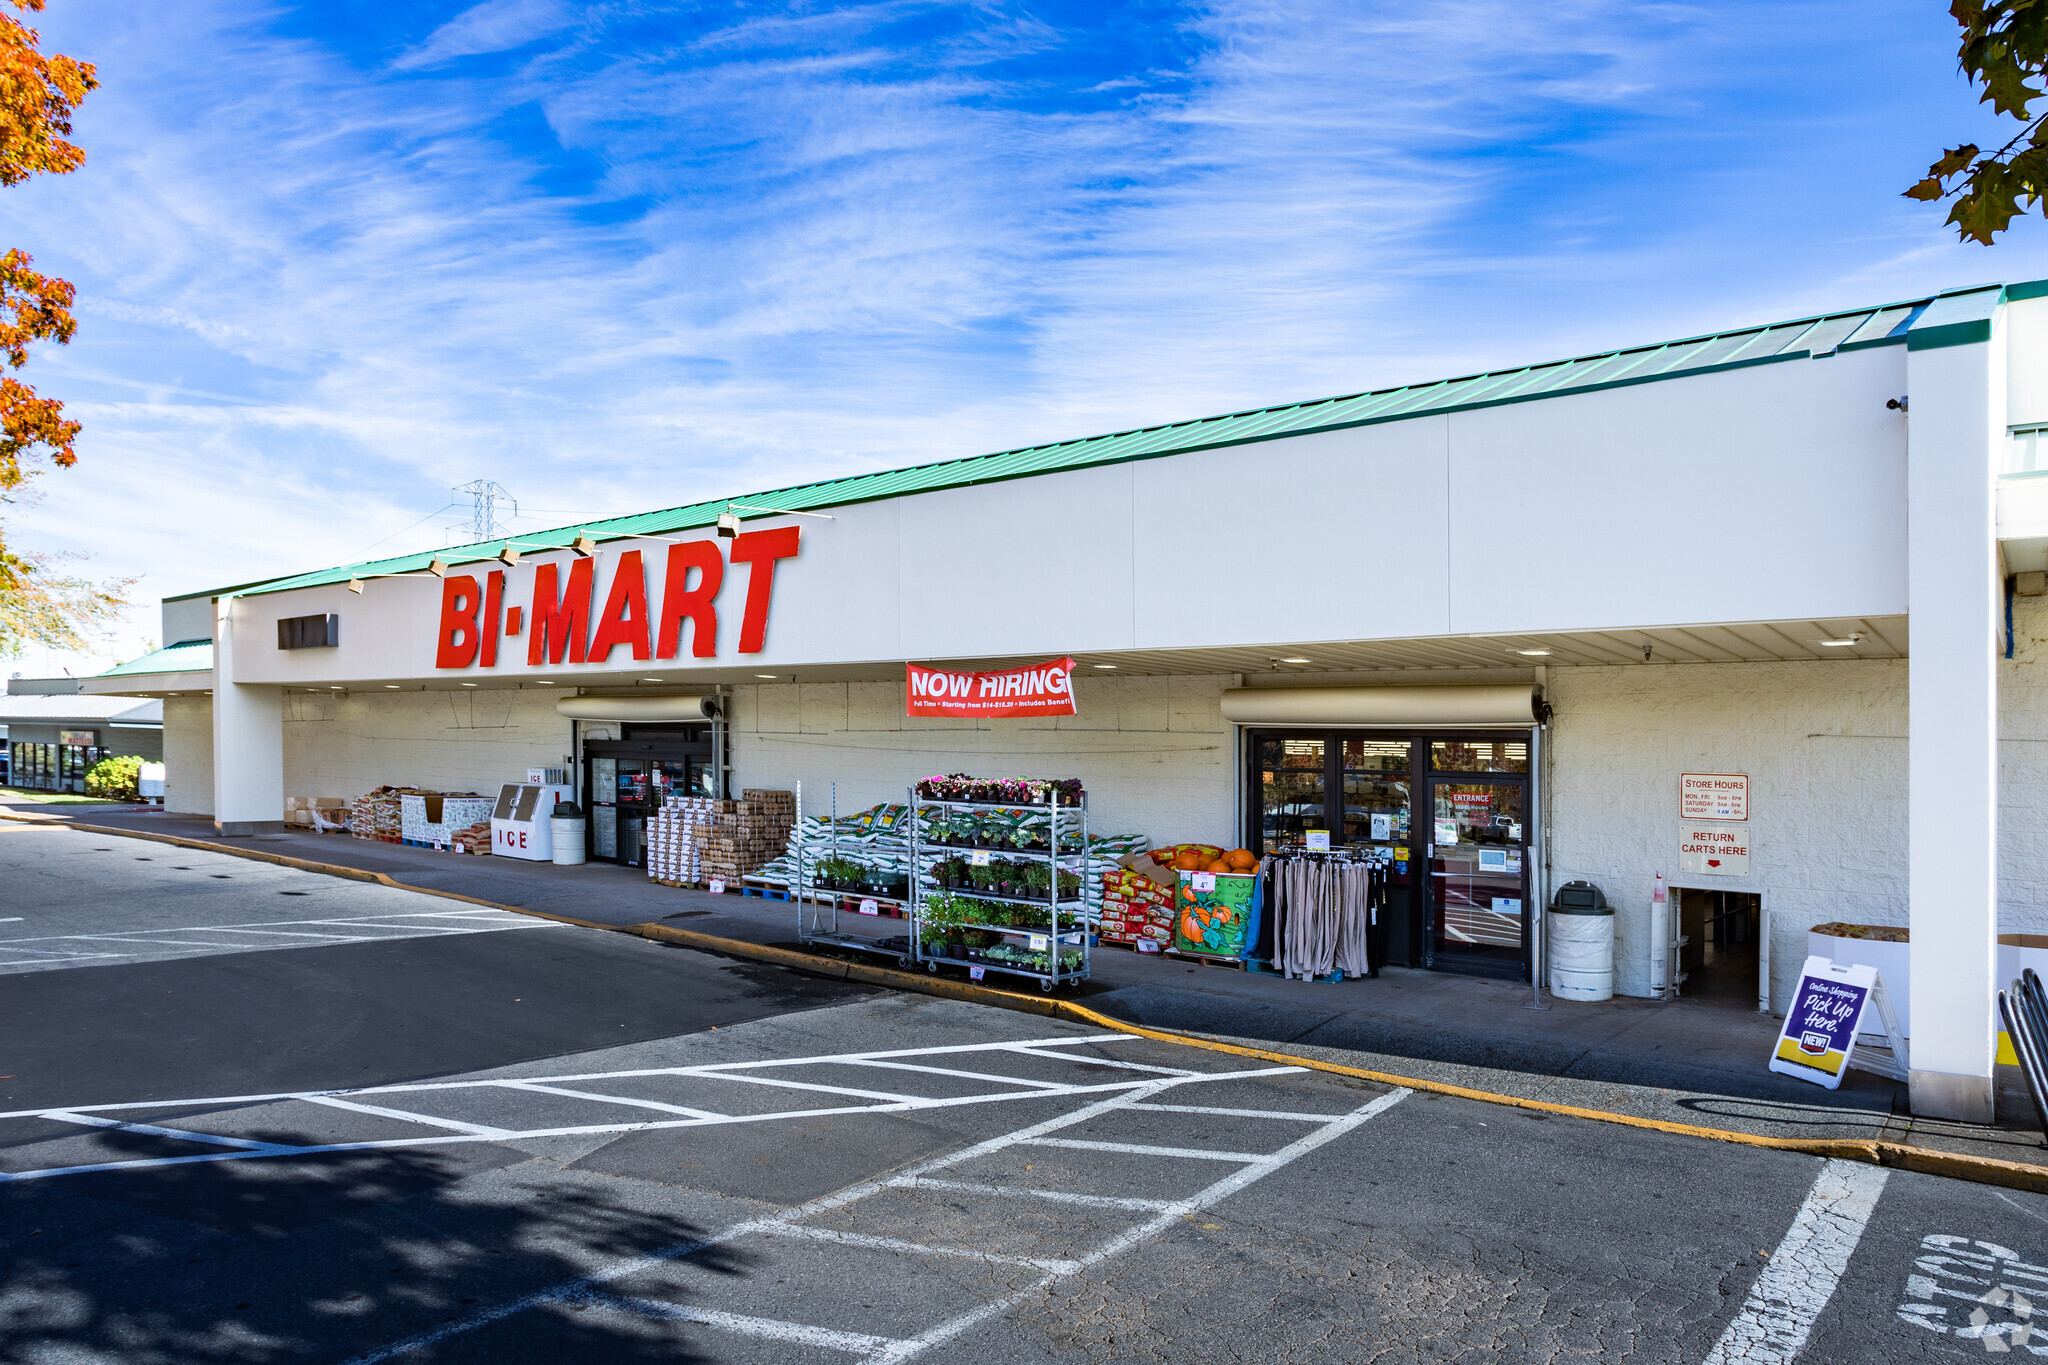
[(1045, 689)]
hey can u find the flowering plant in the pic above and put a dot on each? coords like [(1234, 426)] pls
[(1007, 791)]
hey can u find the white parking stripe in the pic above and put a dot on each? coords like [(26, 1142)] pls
[(708, 1069), (862, 1240), (1097, 1201), (572, 1291), (467, 1132), (684, 1110), (1140, 1149), (887, 1096), (1236, 1113), (796, 1333), (1789, 1295), (991, 1077), (181, 1134), (407, 1116), (1214, 1194)]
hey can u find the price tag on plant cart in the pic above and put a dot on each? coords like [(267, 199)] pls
[(1202, 881), (718, 886), (1038, 942), (976, 973), (978, 858), (869, 907)]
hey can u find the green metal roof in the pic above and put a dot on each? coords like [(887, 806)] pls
[(1955, 317), (186, 656)]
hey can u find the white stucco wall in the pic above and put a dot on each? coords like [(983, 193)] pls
[(346, 744), (1824, 745), (188, 755), (1155, 754)]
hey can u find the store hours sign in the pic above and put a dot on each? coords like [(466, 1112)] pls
[(1713, 796)]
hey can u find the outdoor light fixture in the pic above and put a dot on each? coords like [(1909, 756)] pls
[(508, 556), (729, 519), (469, 684), (1533, 653), (542, 682), (650, 680), (355, 585), (584, 547), (1104, 665), (1294, 661), (393, 687), (770, 676), (1845, 642)]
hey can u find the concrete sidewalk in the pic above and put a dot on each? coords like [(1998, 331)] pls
[(1684, 1061)]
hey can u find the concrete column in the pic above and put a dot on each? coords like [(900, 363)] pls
[(248, 741), (1956, 429)]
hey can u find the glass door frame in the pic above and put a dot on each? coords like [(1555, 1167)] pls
[(640, 745), (1411, 938)]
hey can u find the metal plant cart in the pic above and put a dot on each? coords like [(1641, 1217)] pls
[(1038, 931), (818, 908)]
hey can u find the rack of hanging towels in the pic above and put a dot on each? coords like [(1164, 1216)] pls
[(1324, 913)]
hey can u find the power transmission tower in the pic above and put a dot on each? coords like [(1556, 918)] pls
[(485, 521)]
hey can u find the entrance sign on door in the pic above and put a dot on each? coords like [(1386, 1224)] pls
[(1713, 796), (1713, 850)]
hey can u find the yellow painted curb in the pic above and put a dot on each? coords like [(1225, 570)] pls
[(1956, 1166)]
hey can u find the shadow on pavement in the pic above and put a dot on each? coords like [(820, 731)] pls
[(321, 1259)]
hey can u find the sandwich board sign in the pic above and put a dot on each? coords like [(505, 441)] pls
[(1819, 1036)]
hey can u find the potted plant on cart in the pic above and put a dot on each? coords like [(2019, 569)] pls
[(1037, 881), (839, 874)]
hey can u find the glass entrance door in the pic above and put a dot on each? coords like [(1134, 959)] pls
[(1479, 874), (1294, 789)]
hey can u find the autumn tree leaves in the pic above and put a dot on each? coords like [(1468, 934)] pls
[(38, 93)]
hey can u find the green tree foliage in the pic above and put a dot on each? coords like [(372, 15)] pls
[(2004, 49), (115, 779)]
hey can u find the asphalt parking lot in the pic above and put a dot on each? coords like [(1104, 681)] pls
[(572, 1145)]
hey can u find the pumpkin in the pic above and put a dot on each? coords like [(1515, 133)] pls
[(1241, 859), (1219, 866)]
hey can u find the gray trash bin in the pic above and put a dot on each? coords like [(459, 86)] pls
[(566, 829), (1581, 929)]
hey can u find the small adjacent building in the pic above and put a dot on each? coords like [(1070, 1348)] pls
[(55, 733)]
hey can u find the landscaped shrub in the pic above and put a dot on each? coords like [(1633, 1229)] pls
[(114, 779)]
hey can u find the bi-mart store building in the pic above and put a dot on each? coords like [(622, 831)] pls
[(1517, 608)]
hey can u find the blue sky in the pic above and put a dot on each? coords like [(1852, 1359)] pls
[(335, 258)]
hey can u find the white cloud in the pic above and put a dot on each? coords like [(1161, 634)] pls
[(315, 296), (493, 26)]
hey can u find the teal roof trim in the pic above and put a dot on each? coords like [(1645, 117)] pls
[(186, 656), (1956, 319), (1915, 323)]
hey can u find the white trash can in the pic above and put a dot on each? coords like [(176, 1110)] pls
[(566, 829), (1581, 930)]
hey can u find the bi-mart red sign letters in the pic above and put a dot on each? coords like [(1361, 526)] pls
[(559, 624)]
